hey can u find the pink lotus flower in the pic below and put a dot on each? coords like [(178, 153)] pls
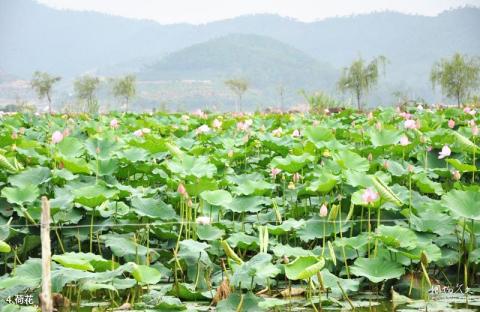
[(199, 113), (203, 220), (138, 133), (410, 168), (472, 112), (429, 148), (217, 124), (471, 123), (475, 130), (181, 190), (202, 129), (274, 172), (57, 137), (445, 152), (114, 123), (410, 124), (323, 211), (404, 141), (456, 175), (405, 115), (277, 132), (467, 110), (451, 123), (296, 177), (296, 133), (369, 196)]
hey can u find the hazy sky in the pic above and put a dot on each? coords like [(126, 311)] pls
[(201, 11)]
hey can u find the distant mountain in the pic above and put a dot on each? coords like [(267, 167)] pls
[(261, 60), (267, 65), (68, 43)]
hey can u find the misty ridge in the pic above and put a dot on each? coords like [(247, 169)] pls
[(183, 66)]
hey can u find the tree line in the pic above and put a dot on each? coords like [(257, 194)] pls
[(85, 87), (457, 78)]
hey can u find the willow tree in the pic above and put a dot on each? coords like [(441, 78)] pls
[(457, 77), (360, 77), (43, 83), (125, 88), (239, 87), (85, 88)]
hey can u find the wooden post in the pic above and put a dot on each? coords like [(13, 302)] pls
[(46, 295)]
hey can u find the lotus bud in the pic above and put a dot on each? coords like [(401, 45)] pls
[(456, 175), (181, 190), (203, 220), (370, 157), (385, 164), (323, 211), (57, 137), (410, 168), (369, 196), (451, 123), (296, 177)]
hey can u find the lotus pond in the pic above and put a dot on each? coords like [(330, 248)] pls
[(243, 212)]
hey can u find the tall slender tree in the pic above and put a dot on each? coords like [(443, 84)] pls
[(457, 76), (125, 88), (239, 87), (85, 88), (43, 83), (360, 77)]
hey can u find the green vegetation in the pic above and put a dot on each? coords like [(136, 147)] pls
[(85, 88), (43, 83), (457, 76), (239, 87), (361, 77), (248, 213), (125, 89)]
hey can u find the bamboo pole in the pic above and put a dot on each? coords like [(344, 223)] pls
[(46, 296)]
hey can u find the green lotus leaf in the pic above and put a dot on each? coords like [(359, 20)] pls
[(258, 269), (93, 195), (292, 163), (240, 302), (30, 176), (461, 166), (144, 274), (427, 186), (21, 195), (397, 236), (384, 137), (70, 147), (217, 198), (153, 208), (209, 232), (304, 267), (350, 160), (376, 270), (247, 204), (319, 136), (464, 204)]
